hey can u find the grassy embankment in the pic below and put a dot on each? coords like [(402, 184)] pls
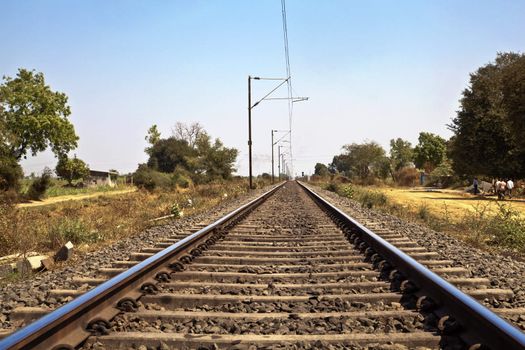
[(91, 222), (61, 188), (482, 222)]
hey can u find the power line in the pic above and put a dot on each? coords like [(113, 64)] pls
[(289, 75)]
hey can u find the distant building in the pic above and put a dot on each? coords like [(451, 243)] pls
[(100, 178)]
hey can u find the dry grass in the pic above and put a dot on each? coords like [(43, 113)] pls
[(484, 224), (95, 221), (456, 202)]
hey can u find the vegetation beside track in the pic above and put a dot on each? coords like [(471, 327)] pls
[(486, 224), (95, 221)]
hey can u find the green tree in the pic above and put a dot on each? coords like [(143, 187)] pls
[(513, 97), (430, 151), (214, 159), (339, 164), (152, 137), (192, 151), (488, 128), (321, 169), (71, 169), (401, 153), (33, 117), (361, 160), (167, 154)]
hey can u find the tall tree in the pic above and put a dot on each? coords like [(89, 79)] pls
[(188, 132), (33, 117), (321, 169), (361, 160), (214, 159), (167, 154), (71, 169), (488, 128), (430, 151), (152, 137), (401, 153)]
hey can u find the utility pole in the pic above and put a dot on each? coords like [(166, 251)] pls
[(250, 106), (279, 161), (273, 177), (250, 128), (284, 164)]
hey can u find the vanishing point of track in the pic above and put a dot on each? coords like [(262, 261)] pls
[(287, 270)]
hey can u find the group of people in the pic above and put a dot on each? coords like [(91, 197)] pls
[(501, 187)]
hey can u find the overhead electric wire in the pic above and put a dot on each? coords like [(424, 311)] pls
[(289, 75)]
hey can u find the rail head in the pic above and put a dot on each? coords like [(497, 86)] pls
[(492, 331), (29, 336)]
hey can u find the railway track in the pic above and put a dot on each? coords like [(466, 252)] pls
[(287, 270)]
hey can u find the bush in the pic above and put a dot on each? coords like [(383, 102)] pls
[(74, 230), (332, 187), (182, 177), (10, 175), (370, 199), (176, 211), (151, 179), (507, 228), (39, 186), (348, 191), (407, 176), (340, 179)]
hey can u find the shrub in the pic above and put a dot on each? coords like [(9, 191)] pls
[(39, 186), (407, 176), (423, 212), (340, 179), (370, 199), (332, 186), (176, 211), (151, 179), (10, 175), (74, 230), (507, 228), (182, 177), (348, 191)]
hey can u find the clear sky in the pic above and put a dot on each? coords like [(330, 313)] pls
[(373, 70)]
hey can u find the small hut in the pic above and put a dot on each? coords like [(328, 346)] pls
[(100, 178)]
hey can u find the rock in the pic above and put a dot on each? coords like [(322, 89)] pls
[(47, 263), (24, 267), (6, 270), (65, 252)]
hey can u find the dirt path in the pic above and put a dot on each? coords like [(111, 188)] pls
[(455, 202), (75, 197)]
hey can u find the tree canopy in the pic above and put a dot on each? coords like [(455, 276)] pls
[(401, 153), (430, 151), (488, 128), (321, 169), (167, 154), (33, 117), (192, 150), (361, 160), (71, 169)]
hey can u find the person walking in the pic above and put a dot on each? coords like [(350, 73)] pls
[(475, 184), (510, 186), (501, 187)]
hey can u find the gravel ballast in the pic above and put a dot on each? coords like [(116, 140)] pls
[(34, 291), (502, 271)]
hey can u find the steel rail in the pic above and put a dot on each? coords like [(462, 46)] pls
[(36, 334), (490, 330)]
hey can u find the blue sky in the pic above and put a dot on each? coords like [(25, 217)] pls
[(373, 70)]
